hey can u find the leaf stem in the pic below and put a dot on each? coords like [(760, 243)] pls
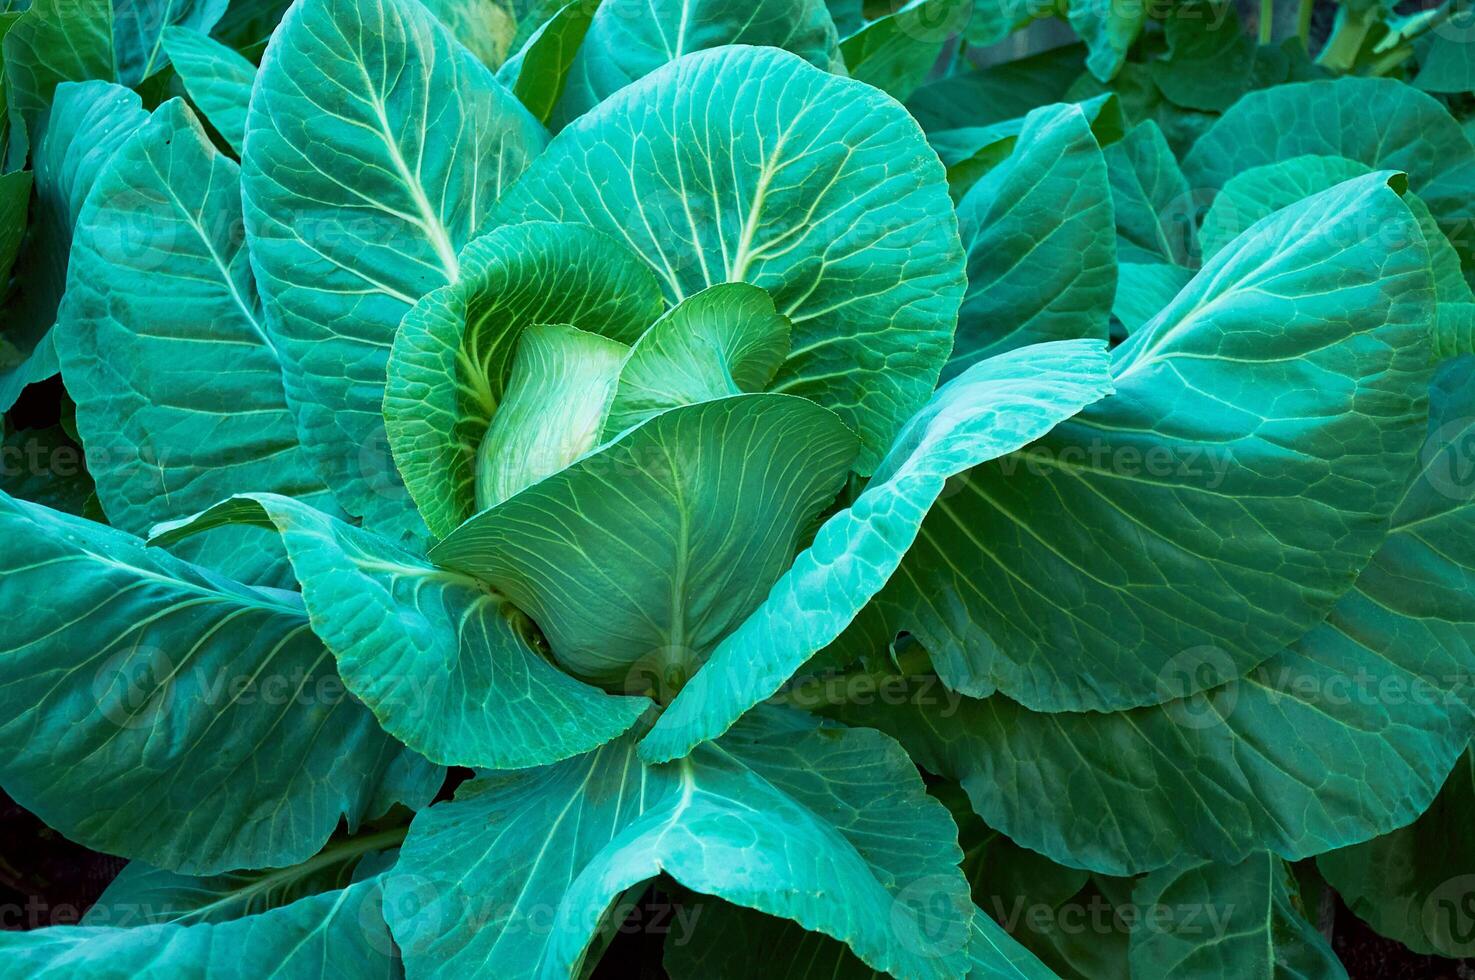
[(1345, 43), (1267, 20)]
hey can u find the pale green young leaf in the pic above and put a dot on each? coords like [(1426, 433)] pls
[(642, 556), (449, 366), (725, 340)]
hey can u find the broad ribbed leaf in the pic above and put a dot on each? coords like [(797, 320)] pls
[(642, 556), (1155, 213), (1040, 239), (445, 665), (155, 710), (375, 146), (1210, 60), (994, 408), (628, 41), (336, 935), (83, 129), (1417, 884), (449, 367), (725, 340), (217, 79), (1445, 65), (1248, 924), (994, 20), (164, 346), (790, 178), (1075, 567), (1261, 191), (829, 827), (1376, 697), (1415, 134), (969, 152)]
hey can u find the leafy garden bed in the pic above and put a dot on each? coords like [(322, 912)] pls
[(521, 489)]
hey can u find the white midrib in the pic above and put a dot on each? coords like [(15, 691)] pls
[(755, 212), (430, 222)]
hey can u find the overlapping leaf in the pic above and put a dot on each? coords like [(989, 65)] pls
[(790, 178), (155, 710), (375, 146), (1070, 574)]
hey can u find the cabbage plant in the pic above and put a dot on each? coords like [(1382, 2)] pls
[(545, 462)]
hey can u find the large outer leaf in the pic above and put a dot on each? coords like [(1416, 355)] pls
[(155, 710), (1039, 232), (163, 346), (444, 664), (1376, 699), (59, 41), (993, 408), (1246, 925), (829, 827), (84, 128), (1417, 884), (217, 79), (1414, 134), (448, 369), (627, 41), (375, 145), (1263, 429), (648, 551), (336, 935), (817, 188), (1262, 190)]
